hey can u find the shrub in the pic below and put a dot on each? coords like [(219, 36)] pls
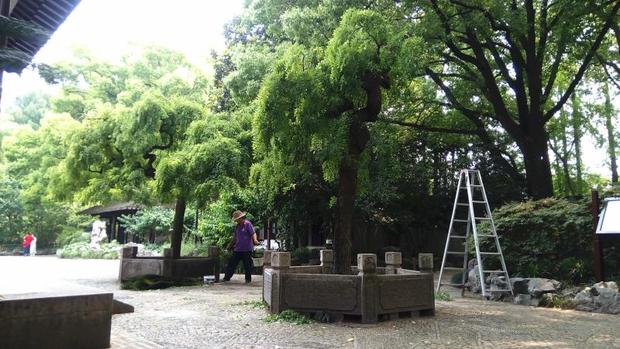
[(288, 316), (546, 238), (86, 251), (301, 255), (70, 236)]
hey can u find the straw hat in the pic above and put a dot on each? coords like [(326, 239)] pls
[(237, 214)]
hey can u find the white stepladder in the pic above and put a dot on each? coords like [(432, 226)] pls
[(477, 207)]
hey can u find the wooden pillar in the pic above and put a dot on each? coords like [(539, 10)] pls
[(596, 242)]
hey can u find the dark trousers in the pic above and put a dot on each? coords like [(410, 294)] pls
[(27, 250), (246, 257)]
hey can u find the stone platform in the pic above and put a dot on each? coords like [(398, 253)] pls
[(56, 320), (370, 294)]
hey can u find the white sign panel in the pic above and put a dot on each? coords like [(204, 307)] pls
[(609, 220)]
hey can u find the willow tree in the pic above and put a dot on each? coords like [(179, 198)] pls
[(138, 135), (497, 63), (318, 101)]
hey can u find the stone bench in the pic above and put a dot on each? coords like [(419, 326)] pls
[(56, 320)]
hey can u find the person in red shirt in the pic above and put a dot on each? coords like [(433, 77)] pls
[(26, 244)]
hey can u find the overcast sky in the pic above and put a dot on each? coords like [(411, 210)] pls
[(111, 28)]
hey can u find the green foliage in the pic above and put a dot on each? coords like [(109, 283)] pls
[(301, 255), (156, 282), (443, 296), (547, 238), (288, 316), (84, 250), (70, 236), (30, 109), (257, 304), (557, 301), (152, 220)]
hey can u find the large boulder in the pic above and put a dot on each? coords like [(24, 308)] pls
[(602, 297)]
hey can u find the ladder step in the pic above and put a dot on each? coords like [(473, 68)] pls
[(459, 204), (479, 201), (452, 268), (486, 235), (455, 252), (460, 285), (461, 220), (493, 271), (457, 236), (490, 253), (483, 218)]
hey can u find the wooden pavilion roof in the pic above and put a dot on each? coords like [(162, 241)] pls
[(113, 209), (49, 14)]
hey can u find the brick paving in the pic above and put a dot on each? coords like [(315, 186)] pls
[(213, 317)]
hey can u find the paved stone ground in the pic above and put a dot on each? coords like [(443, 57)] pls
[(213, 317)]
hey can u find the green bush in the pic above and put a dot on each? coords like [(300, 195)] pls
[(70, 236), (86, 251), (301, 255), (548, 238)]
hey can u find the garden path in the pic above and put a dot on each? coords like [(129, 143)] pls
[(214, 317)]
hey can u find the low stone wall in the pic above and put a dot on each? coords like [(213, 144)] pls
[(55, 320), (132, 266), (370, 294)]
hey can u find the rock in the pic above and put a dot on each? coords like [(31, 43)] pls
[(519, 285), (583, 297), (538, 286), (602, 297), (473, 280), (522, 299), (570, 292), (606, 285)]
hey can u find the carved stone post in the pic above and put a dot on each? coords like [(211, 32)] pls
[(167, 252), (393, 262), (267, 259), (425, 262), (367, 270), (127, 252), (327, 261), (273, 283)]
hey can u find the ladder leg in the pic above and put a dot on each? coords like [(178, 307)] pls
[(445, 251), (465, 257)]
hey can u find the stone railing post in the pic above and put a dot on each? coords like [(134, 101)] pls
[(327, 261), (425, 262), (267, 259), (273, 283), (167, 252), (214, 253), (127, 252), (393, 262), (367, 270)]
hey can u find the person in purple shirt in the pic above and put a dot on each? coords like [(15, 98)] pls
[(244, 241)]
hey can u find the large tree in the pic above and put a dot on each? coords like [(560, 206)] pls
[(321, 100), (497, 63)]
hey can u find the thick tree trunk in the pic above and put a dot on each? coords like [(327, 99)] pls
[(177, 226), (347, 186), (537, 166)]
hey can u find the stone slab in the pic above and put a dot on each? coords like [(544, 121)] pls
[(56, 320)]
